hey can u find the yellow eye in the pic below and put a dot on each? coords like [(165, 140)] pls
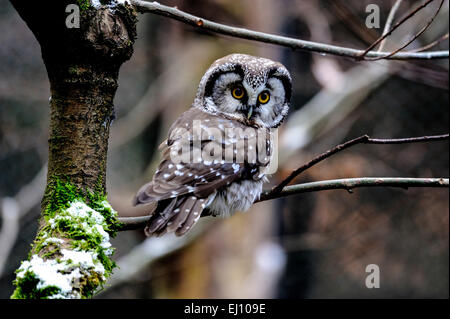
[(238, 93), (264, 97)]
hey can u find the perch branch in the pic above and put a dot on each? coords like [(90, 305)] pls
[(130, 223), (350, 183), (175, 13), (365, 139)]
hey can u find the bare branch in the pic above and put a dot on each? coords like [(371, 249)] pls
[(432, 44), (130, 223), (410, 69), (350, 183), (389, 21), (365, 139), (415, 36), (174, 13), (398, 24), (406, 140)]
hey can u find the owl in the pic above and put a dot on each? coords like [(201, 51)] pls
[(215, 158)]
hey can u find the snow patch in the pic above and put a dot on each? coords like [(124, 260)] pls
[(65, 272), (112, 4)]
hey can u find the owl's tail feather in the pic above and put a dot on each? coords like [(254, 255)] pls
[(193, 217), (182, 213), (178, 216), (160, 219)]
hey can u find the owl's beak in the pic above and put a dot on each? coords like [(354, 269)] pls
[(249, 111)]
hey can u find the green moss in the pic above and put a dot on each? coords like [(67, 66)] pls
[(74, 70), (60, 194), (50, 253), (72, 220), (26, 288), (84, 4)]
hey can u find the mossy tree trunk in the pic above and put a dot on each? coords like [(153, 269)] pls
[(82, 66)]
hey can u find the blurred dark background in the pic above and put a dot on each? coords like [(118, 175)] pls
[(305, 246)]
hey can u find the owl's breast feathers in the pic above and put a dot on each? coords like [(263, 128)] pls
[(203, 156)]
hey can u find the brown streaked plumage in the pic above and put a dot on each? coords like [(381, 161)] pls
[(222, 171)]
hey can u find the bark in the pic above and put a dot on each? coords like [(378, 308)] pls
[(83, 66)]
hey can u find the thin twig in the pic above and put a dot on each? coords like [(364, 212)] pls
[(365, 139), (174, 13), (406, 140), (407, 70), (352, 22), (418, 34), (398, 24), (432, 44), (131, 223), (389, 21)]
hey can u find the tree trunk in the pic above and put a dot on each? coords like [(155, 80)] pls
[(83, 66)]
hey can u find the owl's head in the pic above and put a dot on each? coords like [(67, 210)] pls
[(252, 90)]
